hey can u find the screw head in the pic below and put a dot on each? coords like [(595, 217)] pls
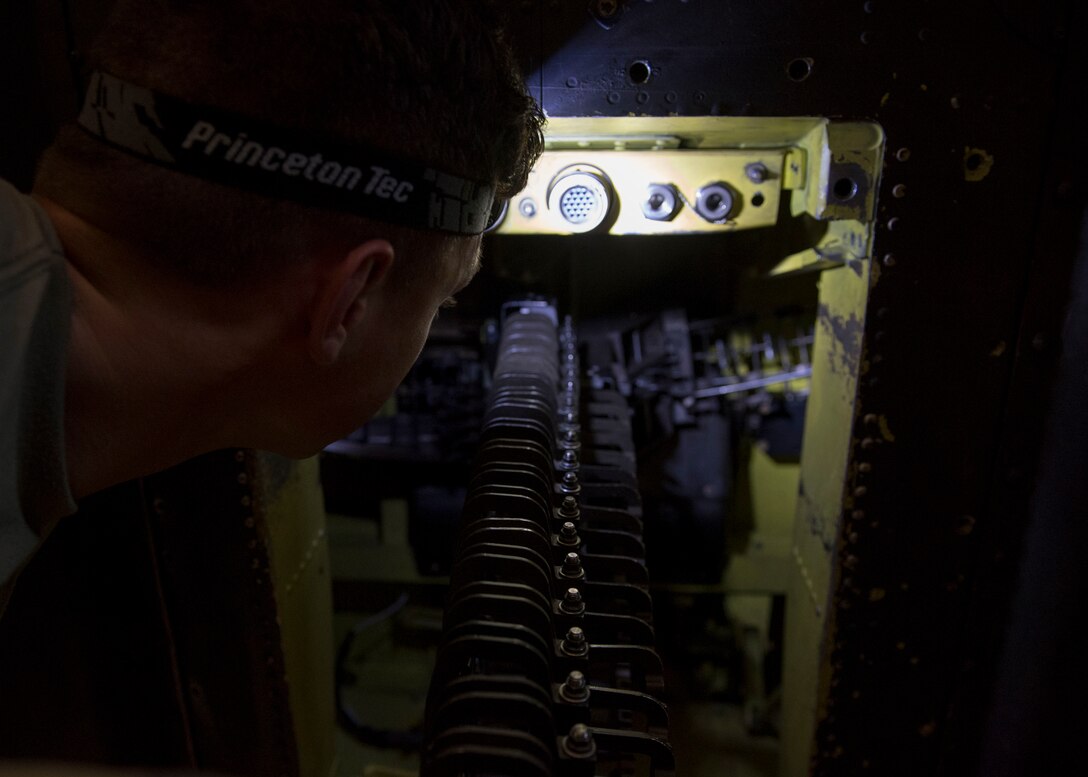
[(568, 534)]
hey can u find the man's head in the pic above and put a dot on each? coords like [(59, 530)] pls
[(429, 80)]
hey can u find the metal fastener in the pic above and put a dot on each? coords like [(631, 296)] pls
[(574, 644), (572, 603), (568, 534), (579, 742), (527, 208), (570, 484), (757, 172), (569, 462), (575, 688), (572, 567), (569, 508)]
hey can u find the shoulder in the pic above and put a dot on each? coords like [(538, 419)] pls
[(29, 246)]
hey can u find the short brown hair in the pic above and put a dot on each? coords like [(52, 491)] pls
[(433, 80)]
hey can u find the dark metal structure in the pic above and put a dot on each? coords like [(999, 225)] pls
[(547, 663)]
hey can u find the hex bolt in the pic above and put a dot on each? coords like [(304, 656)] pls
[(569, 509), (572, 567), (757, 172), (572, 603), (568, 534), (570, 484), (579, 742), (574, 644), (575, 688)]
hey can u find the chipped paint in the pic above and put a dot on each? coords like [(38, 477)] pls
[(977, 163), (846, 340), (819, 525)]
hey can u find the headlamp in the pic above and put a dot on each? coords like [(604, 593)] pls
[(238, 151)]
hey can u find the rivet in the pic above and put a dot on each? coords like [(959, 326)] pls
[(865, 467), (903, 154), (889, 260), (857, 515), (893, 223), (899, 190)]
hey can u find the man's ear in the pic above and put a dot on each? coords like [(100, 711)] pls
[(343, 295)]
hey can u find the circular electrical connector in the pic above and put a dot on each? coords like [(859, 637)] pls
[(582, 197), (661, 202), (714, 202)]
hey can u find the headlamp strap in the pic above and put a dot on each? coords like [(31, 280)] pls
[(227, 148)]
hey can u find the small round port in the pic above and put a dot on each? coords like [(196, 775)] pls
[(581, 196), (661, 202), (714, 202)]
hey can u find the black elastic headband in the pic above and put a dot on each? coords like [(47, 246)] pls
[(231, 149)]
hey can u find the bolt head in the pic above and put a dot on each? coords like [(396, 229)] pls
[(579, 742), (756, 172), (576, 681)]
